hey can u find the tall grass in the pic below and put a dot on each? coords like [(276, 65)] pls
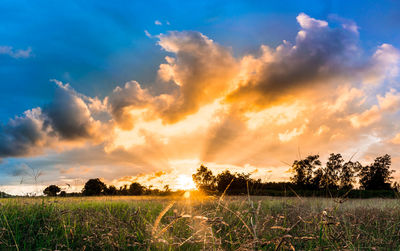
[(199, 223)]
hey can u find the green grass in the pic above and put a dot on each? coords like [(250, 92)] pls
[(235, 223)]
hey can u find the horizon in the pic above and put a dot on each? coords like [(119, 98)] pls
[(136, 93)]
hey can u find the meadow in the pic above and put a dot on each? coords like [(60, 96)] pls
[(199, 223)]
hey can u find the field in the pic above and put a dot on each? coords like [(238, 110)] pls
[(199, 223)]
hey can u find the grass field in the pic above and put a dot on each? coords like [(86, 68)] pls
[(205, 223)]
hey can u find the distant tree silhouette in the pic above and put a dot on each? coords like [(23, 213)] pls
[(348, 174), (377, 176), (239, 183), (167, 189), (123, 190), (223, 180), (332, 171), (111, 190), (136, 189), (316, 181), (204, 179), (94, 187), (51, 190), (303, 171)]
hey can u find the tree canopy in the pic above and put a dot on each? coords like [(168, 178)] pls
[(51, 190), (94, 187)]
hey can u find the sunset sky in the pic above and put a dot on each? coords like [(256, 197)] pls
[(148, 91)]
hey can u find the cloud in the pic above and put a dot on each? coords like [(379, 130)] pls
[(147, 33), (10, 51), (66, 118), (321, 57), (68, 115), (22, 135), (123, 100), (202, 69), (310, 23), (200, 72)]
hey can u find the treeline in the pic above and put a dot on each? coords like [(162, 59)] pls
[(310, 178), (337, 177), (95, 187)]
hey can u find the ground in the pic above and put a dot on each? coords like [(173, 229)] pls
[(199, 223)]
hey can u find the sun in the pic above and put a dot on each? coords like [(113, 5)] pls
[(185, 182)]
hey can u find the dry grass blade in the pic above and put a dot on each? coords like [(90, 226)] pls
[(240, 218), (287, 235), (223, 194), (296, 194), (159, 217)]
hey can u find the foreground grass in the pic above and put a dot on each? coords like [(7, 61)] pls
[(241, 223)]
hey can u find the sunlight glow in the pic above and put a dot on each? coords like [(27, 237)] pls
[(186, 195), (185, 182)]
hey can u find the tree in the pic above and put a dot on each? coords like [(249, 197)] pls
[(94, 187), (111, 190), (51, 190), (167, 189), (223, 180), (237, 183), (377, 176), (123, 190), (331, 171), (348, 174), (204, 179), (316, 181), (136, 189), (303, 171)]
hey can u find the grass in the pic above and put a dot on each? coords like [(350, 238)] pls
[(203, 223)]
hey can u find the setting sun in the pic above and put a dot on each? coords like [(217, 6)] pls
[(185, 182)]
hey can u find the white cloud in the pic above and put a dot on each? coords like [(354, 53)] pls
[(10, 51)]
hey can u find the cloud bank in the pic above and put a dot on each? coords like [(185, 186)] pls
[(316, 94)]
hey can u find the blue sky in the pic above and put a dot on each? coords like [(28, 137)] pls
[(96, 45), (211, 76)]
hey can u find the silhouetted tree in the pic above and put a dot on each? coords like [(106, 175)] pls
[(123, 190), (136, 189), (167, 189), (94, 187), (111, 190), (396, 186), (204, 179), (303, 171), (223, 180), (239, 183), (348, 174), (377, 176), (51, 190), (331, 171), (316, 181)]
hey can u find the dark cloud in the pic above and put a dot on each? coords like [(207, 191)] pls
[(320, 54), (68, 115), (22, 135)]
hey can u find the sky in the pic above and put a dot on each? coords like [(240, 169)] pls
[(149, 90)]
